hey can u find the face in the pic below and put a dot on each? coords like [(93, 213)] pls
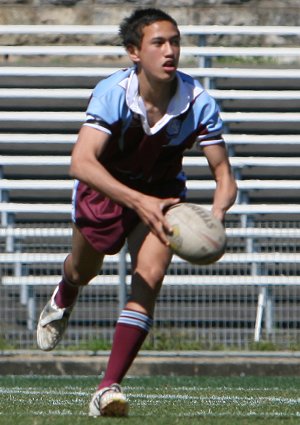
[(158, 55)]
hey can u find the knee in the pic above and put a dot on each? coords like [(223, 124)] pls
[(77, 278), (153, 275)]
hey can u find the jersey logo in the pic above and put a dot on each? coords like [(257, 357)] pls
[(173, 128)]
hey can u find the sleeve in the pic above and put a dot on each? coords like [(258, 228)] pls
[(103, 109), (210, 124)]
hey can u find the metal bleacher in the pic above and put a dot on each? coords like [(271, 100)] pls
[(41, 109)]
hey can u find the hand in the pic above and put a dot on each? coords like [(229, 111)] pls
[(151, 211), (219, 214)]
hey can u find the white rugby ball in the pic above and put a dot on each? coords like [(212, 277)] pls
[(198, 237)]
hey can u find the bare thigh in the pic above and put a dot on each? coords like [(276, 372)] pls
[(84, 262), (150, 260)]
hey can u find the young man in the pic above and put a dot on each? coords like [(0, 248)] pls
[(127, 163)]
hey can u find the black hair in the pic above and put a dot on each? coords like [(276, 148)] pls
[(131, 28)]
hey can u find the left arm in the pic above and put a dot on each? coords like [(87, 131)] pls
[(226, 188)]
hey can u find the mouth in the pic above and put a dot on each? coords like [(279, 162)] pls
[(169, 66)]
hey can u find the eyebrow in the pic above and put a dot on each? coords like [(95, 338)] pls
[(159, 38)]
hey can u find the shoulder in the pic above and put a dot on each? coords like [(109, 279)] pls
[(189, 82), (198, 95), (108, 100), (108, 97), (193, 88), (115, 81)]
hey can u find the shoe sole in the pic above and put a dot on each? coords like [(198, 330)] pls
[(116, 408)]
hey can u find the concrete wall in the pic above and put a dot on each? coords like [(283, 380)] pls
[(225, 12)]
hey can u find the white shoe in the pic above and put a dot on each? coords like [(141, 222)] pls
[(52, 324), (109, 401)]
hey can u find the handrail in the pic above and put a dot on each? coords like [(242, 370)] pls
[(169, 280), (246, 232), (202, 51), (98, 72), (192, 184), (79, 117), (242, 257), (84, 94), (70, 139), (188, 161), (237, 209)]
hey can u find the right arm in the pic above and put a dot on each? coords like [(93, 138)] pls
[(86, 167)]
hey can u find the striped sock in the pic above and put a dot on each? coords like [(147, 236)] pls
[(130, 333)]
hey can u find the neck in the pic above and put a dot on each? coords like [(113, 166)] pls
[(156, 93)]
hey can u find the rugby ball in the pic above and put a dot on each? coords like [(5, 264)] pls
[(198, 237)]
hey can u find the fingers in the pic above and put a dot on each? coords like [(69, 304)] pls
[(162, 227), (161, 233), (151, 210), (168, 202)]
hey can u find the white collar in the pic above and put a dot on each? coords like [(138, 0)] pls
[(178, 104)]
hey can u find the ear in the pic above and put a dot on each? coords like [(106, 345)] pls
[(133, 53)]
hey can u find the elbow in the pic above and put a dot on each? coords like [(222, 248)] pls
[(232, 192), (74, 169)]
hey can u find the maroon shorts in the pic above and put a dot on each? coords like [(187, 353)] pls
[(104, 223)]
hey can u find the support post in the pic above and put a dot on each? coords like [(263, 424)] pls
[(122, 278)]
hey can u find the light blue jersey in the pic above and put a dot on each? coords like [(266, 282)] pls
[(151, 154)]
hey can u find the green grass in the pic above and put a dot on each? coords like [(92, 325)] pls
[(36, 400)]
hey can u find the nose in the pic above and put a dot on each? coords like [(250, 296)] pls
[(169, 49)]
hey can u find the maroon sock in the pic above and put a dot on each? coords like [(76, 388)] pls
[(66, 294), (130, 333)]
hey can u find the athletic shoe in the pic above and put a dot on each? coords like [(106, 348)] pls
[(109, 401), (52, 324)]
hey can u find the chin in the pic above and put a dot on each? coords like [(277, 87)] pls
[(169, 76)]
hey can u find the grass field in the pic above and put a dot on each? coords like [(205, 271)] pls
[(36, 400)]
